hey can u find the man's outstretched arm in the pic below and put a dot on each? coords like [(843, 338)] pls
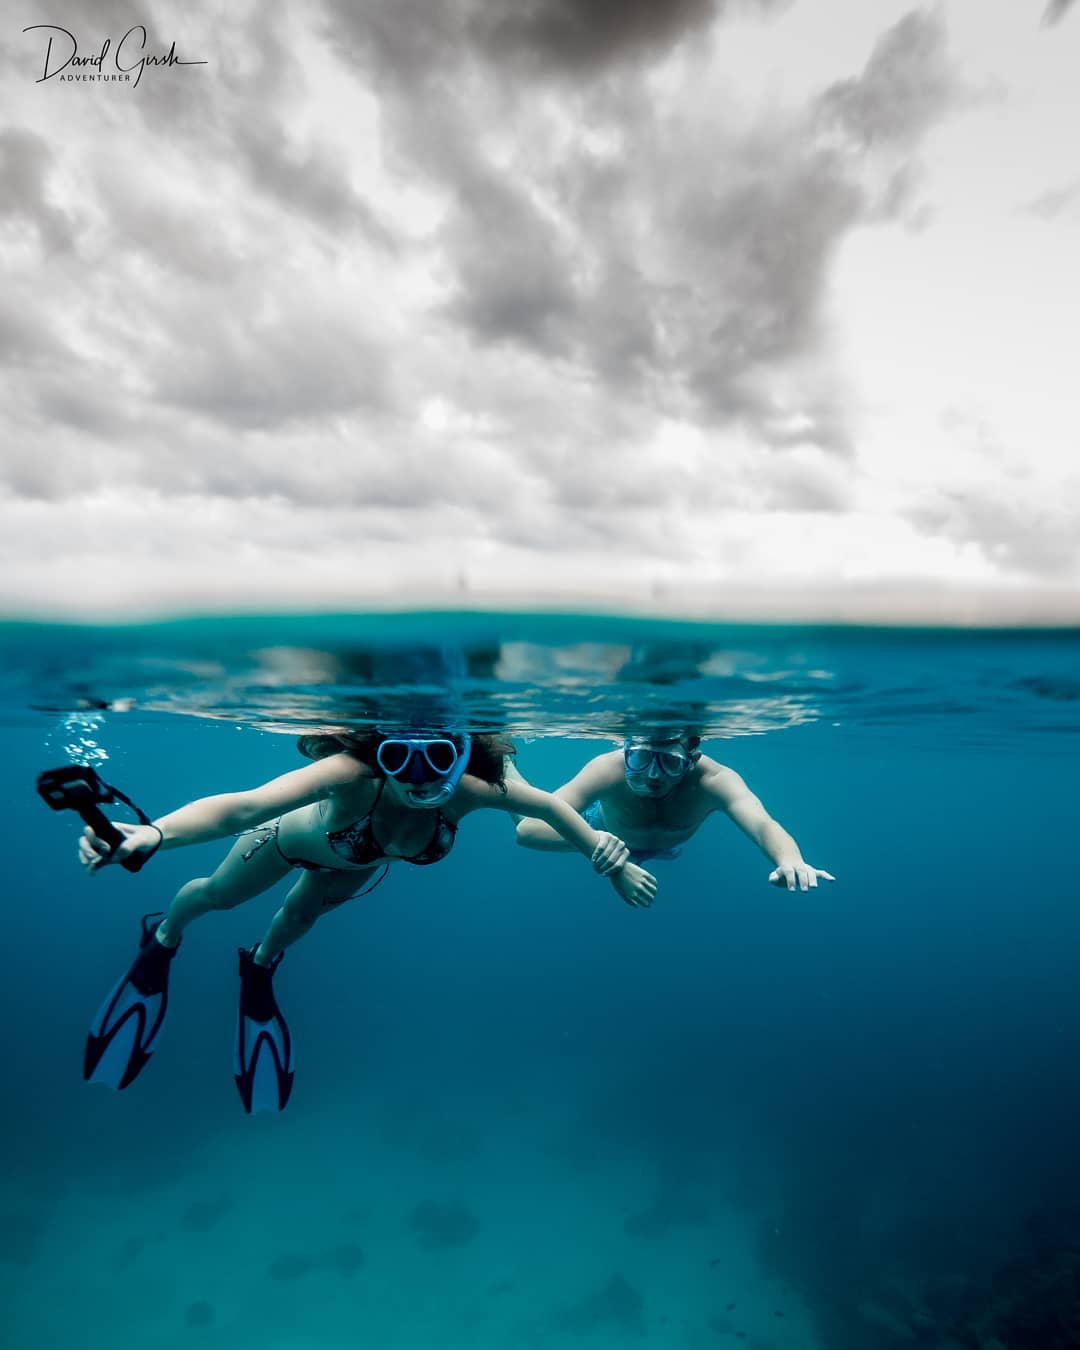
[(731, 795)]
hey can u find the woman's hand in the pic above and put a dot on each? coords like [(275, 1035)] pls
[(94, 852), (801, 874), (609, 854), (636, 886)]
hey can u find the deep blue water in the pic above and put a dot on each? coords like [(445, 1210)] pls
[(842, 1113)]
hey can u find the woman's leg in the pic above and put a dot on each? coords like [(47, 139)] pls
[(264, 1060), (243, 873), (125, 1031), (313, 894)]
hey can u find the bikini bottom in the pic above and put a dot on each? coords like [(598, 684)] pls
[(269, 833)]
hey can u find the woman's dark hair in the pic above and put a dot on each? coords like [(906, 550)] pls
[(488, 751)]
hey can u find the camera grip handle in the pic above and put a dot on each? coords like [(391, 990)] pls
[(107, 832)]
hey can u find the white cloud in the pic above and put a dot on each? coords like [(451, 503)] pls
[(651, 305)]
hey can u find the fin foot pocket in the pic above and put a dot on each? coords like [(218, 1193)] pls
[(125, 1031), (263, 1065)]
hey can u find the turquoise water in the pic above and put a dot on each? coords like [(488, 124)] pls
[(525, 1114)]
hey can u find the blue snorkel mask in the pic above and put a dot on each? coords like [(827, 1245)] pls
[(652, 769), (428, 767)]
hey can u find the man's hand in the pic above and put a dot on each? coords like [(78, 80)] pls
[(636, 886), (801, 874), (609, 854)]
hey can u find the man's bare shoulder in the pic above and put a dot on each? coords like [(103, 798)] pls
[(718, 780), (594, 780), (604, 771), (708, 765)]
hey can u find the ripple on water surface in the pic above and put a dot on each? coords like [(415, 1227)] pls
[(540, 674)]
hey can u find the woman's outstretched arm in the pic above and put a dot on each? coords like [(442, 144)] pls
[(226, 813), (607, 853)]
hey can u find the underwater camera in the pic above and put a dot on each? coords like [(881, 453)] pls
[(79, 788)]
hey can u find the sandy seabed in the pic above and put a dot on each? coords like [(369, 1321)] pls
[(470, 1225)]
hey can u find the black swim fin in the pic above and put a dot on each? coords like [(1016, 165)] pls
[(263, 1064), (125, 1030)]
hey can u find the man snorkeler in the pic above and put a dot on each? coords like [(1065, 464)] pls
[(655, 794)]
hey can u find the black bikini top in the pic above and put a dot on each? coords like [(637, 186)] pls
[(356, 843)]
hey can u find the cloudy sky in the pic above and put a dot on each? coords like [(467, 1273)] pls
[(716, 306)]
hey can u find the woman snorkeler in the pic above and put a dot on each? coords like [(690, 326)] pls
[(367, 801)]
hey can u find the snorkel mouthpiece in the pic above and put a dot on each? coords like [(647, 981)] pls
[(431, 800)]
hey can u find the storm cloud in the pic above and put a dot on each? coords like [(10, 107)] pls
[(1056, 10), (548, 283)]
